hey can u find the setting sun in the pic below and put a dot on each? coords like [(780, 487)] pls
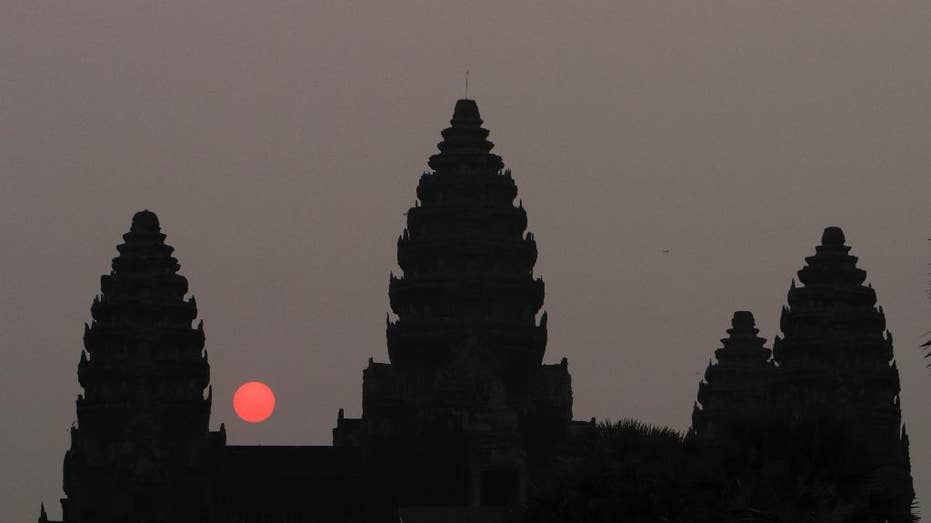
[(254, 402)]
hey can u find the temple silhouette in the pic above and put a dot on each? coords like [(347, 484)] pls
[(464, 416)]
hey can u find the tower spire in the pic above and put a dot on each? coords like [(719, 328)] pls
[(465, 385), (466, 232), (465, 148), (735, 387), (142, 416), (836, 361)]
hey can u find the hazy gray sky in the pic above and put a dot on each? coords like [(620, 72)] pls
[(281, 141)]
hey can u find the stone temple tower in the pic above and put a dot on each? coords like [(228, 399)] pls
[(138, 450), (835, 351), (466, 386), (835, 361), (737, 385)]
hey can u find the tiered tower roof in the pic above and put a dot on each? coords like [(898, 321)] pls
[(465, 402), (835, 350), (142, 349), (468, 267), (465, 143), (143, 416), (737, 384), (836, 365)]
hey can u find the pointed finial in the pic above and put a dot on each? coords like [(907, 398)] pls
[(43, 517)]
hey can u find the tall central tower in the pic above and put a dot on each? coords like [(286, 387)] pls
[(466, 386), (468, 266)]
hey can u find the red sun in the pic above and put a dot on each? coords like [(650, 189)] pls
[(254, 402)]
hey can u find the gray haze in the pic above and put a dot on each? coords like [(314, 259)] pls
[(280, 143)]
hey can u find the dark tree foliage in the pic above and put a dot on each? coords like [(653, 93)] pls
[(804, 471), (626, 471)]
